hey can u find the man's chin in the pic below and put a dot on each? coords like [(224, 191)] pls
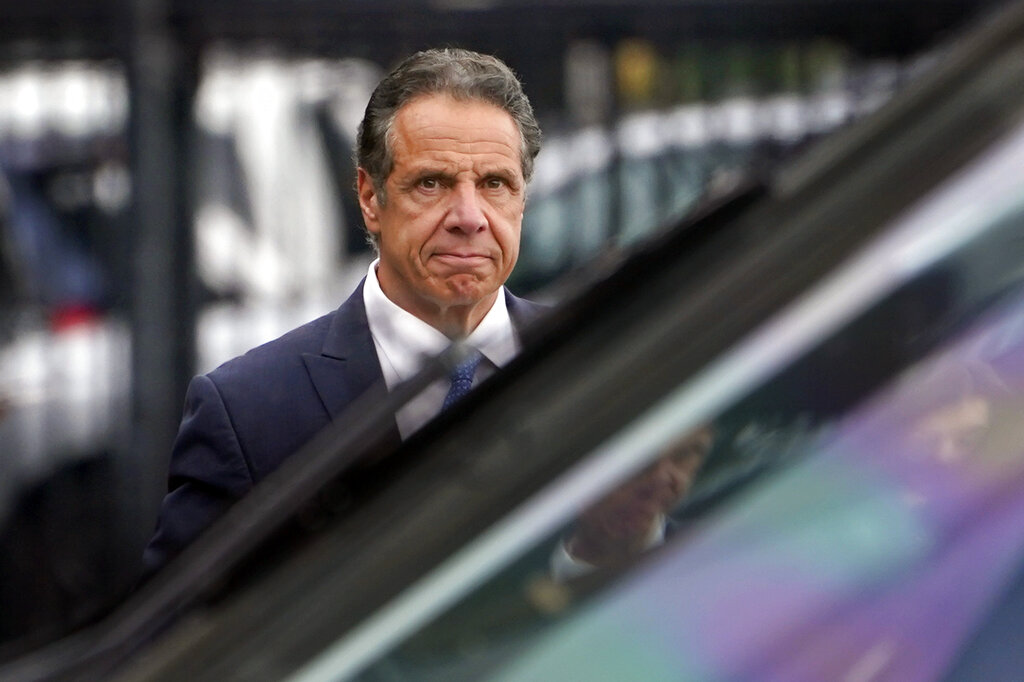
[(467, 290)]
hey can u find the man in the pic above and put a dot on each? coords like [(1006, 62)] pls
[(445, 151)]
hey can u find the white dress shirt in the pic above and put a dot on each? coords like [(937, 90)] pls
[(404, 342)]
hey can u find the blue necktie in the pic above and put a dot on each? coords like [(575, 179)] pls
[(461, 377)]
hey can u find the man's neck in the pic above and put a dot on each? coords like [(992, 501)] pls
[(458, 322), (454, 321)]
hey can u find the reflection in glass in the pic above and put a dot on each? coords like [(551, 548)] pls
[(857, 515), (853, 559)]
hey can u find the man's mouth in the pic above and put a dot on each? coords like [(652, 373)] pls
[(455, 258)]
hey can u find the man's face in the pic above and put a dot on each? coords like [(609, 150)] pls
[(449, 228), (621, 522)]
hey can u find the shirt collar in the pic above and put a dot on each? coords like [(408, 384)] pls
[(406, 341)]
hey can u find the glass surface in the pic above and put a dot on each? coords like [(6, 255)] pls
[(857, 515), (876, 554)]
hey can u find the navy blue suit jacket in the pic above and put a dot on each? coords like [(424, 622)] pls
[(245, 417)]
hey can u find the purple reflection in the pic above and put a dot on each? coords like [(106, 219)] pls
[(875, 559)]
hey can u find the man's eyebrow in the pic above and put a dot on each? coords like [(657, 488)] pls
[(430, 169), (418, 174), (500, 170), (508, 174)]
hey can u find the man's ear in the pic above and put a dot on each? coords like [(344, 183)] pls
[(368, 203)]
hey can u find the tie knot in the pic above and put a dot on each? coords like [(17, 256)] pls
[(461, 378)]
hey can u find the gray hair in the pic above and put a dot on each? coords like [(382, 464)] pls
[(461, 74)]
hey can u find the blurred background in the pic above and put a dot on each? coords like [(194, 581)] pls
[(176, 186)]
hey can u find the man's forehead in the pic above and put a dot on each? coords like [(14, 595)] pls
[(444, 115), (441, 151), (442, 130)]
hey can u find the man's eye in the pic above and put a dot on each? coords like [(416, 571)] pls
[(495, 183), (429, 183)]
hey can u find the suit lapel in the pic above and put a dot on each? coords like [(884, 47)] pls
[(521, 311), (347, 366)]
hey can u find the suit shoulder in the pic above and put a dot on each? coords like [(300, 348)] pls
[(282, 352), (523, 311)]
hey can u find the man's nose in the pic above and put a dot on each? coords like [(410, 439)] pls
[(465, 212)]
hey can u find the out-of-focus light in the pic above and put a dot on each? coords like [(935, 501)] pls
[(638, 135), (686, 126), (591, 150), (215, 100), (784, 118), (26, 102), (738, 118), (72, 100), (112, 187)]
